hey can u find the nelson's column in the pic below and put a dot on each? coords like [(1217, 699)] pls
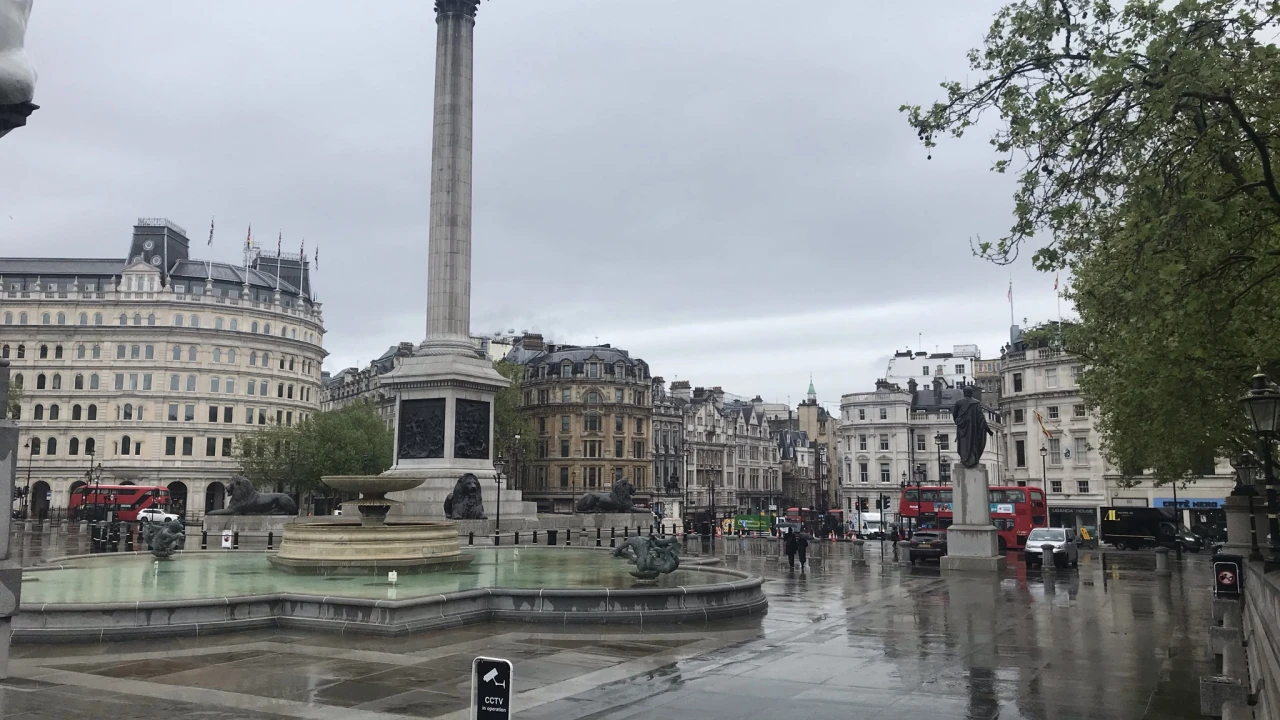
[(444, 393)]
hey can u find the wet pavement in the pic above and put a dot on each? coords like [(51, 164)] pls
[(1107, 641)]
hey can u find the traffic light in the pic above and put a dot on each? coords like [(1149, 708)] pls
[(878, 503)]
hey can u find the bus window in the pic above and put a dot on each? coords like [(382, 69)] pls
[(928, 496), (913, 496), (944, 496)]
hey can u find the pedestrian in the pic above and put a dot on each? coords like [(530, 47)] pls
[(802, 544), (789, 545)]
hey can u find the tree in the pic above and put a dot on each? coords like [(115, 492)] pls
[(349, 441), (1143, 137), (510, 420)]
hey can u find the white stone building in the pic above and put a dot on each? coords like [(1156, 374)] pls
[(893, 436), (151, 366), (954, 368)]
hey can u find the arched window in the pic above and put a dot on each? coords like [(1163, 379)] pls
[(128, 411), (44, 352), (262, 388), (40, 381), (593, 398), (126, 446), (22, 318), (149, 352), (151, 319), (282, 331), (78, 383), (293, 333), (124, 319), (191, 383), (45, 319), (177, 320), (177, 352), (92, 413), (229, 386), (215, 384), (8, 318), (89, 446), (51, 447), (254, 326), (290, 393), (4, 351), (253, 356), (93, 381), (137, 318), (217, 323), (62, 318), (195, 321), (73, 446), (279, 390), (266, 359), (22, 351), (290, 363), (53, 412), (191, 353), (97, 320), (84, 318), (235, 325), (17, 380), (57, 352), (79, 352), (97, 351), (57, 381), (231, 356), (37, 412), (76, 412), (35, 446), (266, 328), (217, 355)]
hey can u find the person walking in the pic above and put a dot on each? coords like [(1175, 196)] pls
[(802, 544), (789, 546)]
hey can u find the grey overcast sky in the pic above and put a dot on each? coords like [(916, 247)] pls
[(723, 187)]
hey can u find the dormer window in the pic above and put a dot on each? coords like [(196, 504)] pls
[(593, 370), (566, 369)]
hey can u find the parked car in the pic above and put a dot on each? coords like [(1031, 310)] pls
[(927, 544), (155, 515), (1063, 540)]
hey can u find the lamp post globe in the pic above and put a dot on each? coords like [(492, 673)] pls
[(1262, 403)]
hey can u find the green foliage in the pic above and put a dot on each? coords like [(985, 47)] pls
[(350, 441), (1144, 136), (509, 420), (15, 401)]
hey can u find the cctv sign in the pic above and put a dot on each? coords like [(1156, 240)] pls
[(490, 689)]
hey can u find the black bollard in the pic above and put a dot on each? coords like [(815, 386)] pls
[(613, 542), (471, 538), (613, 532), (597, 542), (128, 539), (115, 537), (204, 539), (597, 535), (535, 537), (517, 538), (568, 536), (497, 539), (271, 536), (235, 540)]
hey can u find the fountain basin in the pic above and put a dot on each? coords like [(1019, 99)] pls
[(131, 595), (355, 548)]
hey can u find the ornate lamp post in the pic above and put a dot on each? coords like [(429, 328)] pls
[(684, 508), (26, 493), (1263, 403), (1245, 469), (1044, 473), (498, 464)]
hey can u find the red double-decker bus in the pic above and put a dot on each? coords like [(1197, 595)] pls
[(1014, 510), (119, 502)]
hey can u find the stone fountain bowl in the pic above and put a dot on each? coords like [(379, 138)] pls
[(371, 484)]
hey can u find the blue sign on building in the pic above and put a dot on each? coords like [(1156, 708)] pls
[(1189, 503)]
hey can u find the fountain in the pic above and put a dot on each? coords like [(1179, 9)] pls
[(370, 545)]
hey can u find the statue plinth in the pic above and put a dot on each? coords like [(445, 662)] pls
[(972, 544)]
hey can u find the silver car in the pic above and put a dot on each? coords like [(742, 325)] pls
[(1063, 541)]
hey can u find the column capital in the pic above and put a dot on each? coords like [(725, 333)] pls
[(457, 7)]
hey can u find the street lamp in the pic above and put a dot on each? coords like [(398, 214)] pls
[(1245, 468), (1263, 403), (1044, 473), (26, 494), (684, 508), (937, 442), (498, 464)]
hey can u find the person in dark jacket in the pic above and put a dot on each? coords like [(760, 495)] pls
[(789, 546), (802, 544)]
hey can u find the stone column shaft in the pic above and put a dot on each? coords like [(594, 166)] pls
[(449, 259)]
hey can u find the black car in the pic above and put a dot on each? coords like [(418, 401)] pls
[(927, 544)]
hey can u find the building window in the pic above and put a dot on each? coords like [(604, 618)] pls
[(1082, 487), (1051, 378), (885, 475), (639, 425), (862, 413), (591, 423), (564, 477), (618, 424), (862, 442), (187, 445), (1077, 411), (920, 443), (173, 412), (97, 320), (593, 370), (564, 423), (1081, 450), (1077, 372), (1053, 412), (91, 413), (1019, 416), (217, 355), (75, 412), (884, 442), (1017, 382), (191, 353), (189, 413), (884, 413), (213, 413), (944, 441), (591, 448), (944, 472), (211, 447), (1020, 453), (617, 448), (1055, 452), (637, 449), (564, 448), (1055, 486), (619, 396), (120, 352), (171, 445), (566, 395)]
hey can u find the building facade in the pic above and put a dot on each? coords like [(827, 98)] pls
[(353, 385), (151, 365), (953, 368), (592, 410), (822, 430), (668, 450), (895, 436)]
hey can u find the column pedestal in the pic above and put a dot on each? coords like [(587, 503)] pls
[(972, 544), (1237, 510)]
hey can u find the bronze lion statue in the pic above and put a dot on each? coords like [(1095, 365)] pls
[(245, 500), (617, 500), (465, 503)]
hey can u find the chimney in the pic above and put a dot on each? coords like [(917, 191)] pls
[(680, 390), (911, 386), (937, 391), (532, 341)]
